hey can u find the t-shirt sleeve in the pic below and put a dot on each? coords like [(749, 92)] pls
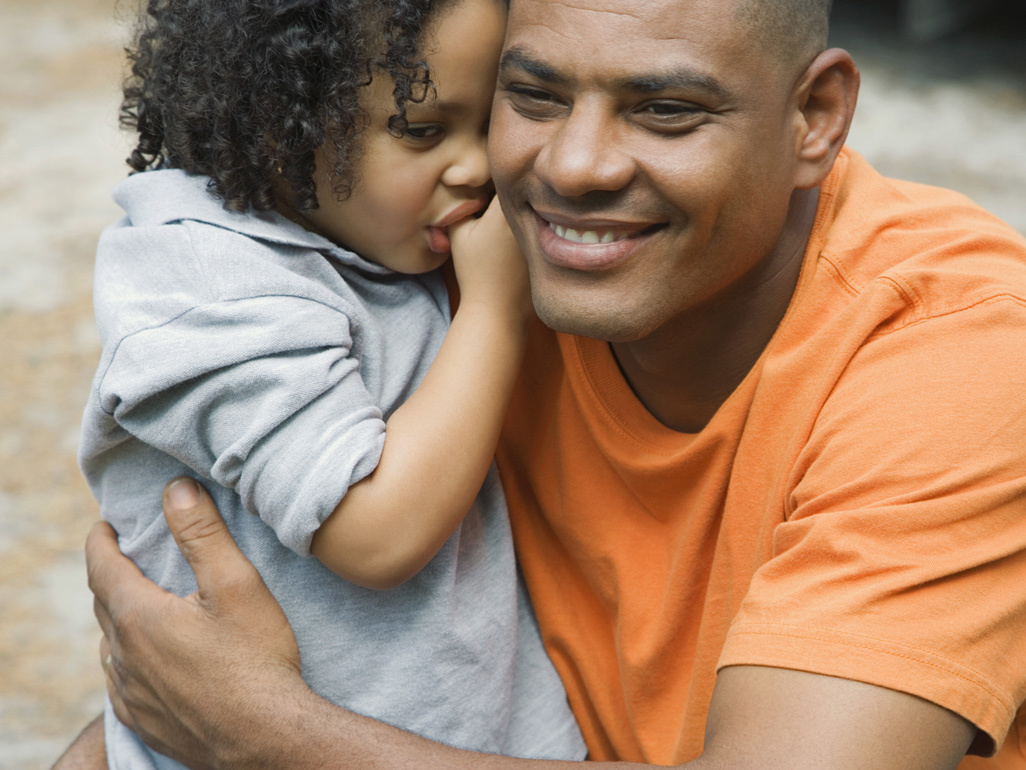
[(261, 395), (902, 562)]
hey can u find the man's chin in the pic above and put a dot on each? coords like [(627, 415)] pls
[(609, 324)]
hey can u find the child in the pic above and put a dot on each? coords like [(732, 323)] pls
[(272, 298)]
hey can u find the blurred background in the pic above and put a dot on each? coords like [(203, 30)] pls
[(943, 102)]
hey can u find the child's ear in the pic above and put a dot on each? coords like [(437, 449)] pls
[(826, 97)]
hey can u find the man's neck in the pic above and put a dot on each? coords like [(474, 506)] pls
[(684, 371)]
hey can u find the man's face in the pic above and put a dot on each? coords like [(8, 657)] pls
[(644, 153)]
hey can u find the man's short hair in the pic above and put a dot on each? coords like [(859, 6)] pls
[(793, 29)]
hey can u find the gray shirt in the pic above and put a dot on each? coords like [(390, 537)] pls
[(262, 359)]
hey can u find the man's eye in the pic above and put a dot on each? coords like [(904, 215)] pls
[(527, 92), (423, 131), (669, 116), (671, 109), (533, 102)]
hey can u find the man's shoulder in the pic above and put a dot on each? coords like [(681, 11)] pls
[(934, 245)]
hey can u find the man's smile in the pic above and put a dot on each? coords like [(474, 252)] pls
[(588, 236), (589, 244)]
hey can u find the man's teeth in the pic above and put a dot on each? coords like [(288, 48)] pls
[(588, 236)]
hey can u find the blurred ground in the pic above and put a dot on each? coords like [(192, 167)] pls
[(951, 112), (60, 154)]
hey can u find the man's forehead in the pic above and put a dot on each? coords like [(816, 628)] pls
[(605, 24), (642, 12), (559, 39)]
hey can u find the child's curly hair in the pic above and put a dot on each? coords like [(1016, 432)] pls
[(246, 90)]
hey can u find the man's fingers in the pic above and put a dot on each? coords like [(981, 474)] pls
[(113, 683), (112, 573), (105, 566), (103, 618), (203, 537), (119, 689), (114, 694), (104, 653)]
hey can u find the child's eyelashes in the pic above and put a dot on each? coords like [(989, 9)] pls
[(424, 132)]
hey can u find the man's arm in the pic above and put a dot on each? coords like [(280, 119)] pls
[(87, 751), (214, 680), (775, 718)]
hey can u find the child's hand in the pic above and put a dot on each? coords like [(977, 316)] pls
[(489, 266)]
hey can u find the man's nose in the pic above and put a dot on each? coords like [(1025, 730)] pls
[(584, 154)]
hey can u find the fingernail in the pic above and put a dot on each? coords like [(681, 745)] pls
[(183, 493)]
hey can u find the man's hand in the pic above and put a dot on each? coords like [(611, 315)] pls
[(213, 680), (186, 673)]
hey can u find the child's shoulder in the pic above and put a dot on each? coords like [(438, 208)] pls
[(178, 249), (170, 198), (175, 226)]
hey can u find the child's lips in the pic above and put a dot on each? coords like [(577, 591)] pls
[(462, 211), (438, 233), (438, 240)]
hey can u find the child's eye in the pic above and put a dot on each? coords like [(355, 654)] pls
[(423, 131)]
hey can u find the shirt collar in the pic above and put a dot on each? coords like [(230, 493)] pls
[(166, 196)]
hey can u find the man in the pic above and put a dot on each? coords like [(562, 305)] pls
[(768, 482)]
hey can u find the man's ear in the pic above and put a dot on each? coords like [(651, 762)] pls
[(826, 97)]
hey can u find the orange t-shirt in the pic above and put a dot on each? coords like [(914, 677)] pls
[(856, 508)]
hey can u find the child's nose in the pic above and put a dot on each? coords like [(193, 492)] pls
[(469, 166)]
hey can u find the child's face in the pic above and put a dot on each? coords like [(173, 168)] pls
[(409, 189)]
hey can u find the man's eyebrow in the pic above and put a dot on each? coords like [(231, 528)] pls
[(681, 80), (518, 58)]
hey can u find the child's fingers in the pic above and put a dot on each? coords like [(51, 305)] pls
[(489, 232)]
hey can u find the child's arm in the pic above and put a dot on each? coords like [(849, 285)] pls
[(440, 443)]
